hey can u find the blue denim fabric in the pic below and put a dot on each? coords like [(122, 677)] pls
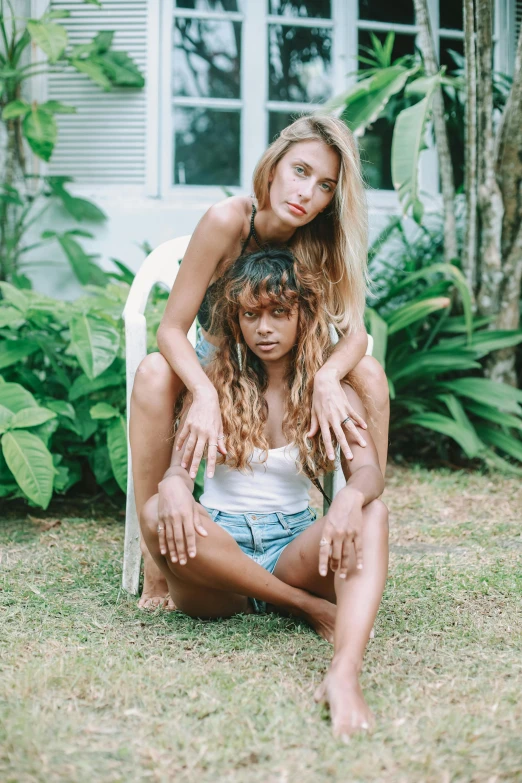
[(204, 350), (263, 537)]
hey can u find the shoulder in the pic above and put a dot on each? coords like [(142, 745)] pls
[(229, 215)]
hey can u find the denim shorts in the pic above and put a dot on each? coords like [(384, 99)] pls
[(204, 350), (263, 537)]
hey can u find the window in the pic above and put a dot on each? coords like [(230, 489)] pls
[(238, 71)]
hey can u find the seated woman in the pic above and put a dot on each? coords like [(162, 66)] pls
[(253, 538)]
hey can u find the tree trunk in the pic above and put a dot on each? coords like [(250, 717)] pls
[(441, 135), (491, 208), (509, 174), (469, 258)]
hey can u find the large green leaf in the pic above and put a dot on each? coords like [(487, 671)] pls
[(487, 341), (41, 132), (14, 296), (448, 270), (31, 417), (15, 109), (15, 397), (507, 443), (95, 344), (121, 70), (6, 417), (117, 445), (365, 101), (491, 414), (378, 329), (414, 311), (13, 351), (84, 386), (84, 269), (94, 71), (11, 317), (432, 362), (407, 144), (31, 464), (464, 436), (56, 107), (505, 397), (102, 410), (50, 37)]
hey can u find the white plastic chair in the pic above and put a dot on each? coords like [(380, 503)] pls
[(160, 268)]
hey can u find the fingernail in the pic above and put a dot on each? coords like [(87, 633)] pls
[(210, 474), (342, 576), (182, 562), (323, 572), (359, 566), (192, 474), (192, 554), (174, 559), (163, 551), (363, 443), (183, 464)]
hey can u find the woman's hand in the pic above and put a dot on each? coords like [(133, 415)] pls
[(342, 531), (330, 409), (202, 429), (178, 520)]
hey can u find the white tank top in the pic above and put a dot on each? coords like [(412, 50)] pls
[(274, 485)]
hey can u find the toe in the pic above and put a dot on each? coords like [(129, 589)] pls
[(319, 695)]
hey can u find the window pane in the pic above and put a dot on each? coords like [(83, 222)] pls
[(206, 144), (211, 5), (375, 151), (207, 56), (399, 11), (277, 120), (455, 45), (402, 45), (314, 9), (450, 15), (299, 63)]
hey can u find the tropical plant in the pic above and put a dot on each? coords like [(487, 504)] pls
[(433, 356), (31, 126)]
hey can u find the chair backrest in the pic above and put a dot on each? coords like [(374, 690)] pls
[(161, 266)]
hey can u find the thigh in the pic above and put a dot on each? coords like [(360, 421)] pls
[(186, 589), (299, 564)]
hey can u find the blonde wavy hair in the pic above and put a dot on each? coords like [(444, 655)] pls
[(272, 274), (334, 245)]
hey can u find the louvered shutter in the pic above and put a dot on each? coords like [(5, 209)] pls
[(104, 142), (518, 19)]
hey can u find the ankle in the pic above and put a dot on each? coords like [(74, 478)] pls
[(346, 667)]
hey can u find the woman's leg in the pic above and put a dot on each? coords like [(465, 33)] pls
[(370, 381), (218, 581), (358, 598), (154, 394)]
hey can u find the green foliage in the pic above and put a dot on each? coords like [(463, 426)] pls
[(31, 126), (431, 348)]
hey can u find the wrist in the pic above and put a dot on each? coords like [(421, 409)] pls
[(352, 495), (327, 375), (204, 390), (176, 477)]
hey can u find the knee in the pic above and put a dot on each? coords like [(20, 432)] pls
[(372, 378), (149, 519), (378, 518), (154, 379)]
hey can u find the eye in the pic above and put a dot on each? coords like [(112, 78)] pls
[(299, 169), (248, 314), (279, 311), (326, 187)]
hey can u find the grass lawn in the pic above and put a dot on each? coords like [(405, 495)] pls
[(92, 689)]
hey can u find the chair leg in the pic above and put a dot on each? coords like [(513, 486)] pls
[(131, 548)]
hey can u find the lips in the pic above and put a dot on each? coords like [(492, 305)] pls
[(297, 207), (266, 346)]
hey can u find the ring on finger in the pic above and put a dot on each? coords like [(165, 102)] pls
[(324, 542), (348, 418), (221, 437), (213, 444), (160, 528)]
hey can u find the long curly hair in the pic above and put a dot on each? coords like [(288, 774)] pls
[(271, 274)]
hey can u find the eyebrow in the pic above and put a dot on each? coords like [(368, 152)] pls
[(309, 166)]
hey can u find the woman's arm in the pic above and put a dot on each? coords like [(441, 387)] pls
[(209, 245), (330, 406), (365, 483)]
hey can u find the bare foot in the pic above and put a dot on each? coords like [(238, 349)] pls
[(341, 692), (155, 590), (320, 614)]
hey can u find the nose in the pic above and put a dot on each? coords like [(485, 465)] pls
[(264, 326)]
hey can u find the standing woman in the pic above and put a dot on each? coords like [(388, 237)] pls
[(309, 196)]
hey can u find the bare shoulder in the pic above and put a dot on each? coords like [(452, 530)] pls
[(228, 216)]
